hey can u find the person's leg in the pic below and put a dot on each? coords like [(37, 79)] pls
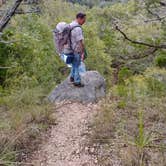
[(72, 71), (76, 63)]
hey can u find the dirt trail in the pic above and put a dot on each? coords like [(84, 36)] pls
[(66, 144)]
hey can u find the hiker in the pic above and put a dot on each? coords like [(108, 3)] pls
[(69, 45), (78, 48)]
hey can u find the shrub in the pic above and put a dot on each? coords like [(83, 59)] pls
[(161, 61), (124, 73)]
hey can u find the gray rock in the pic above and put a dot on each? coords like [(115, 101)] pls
[(93, 90)]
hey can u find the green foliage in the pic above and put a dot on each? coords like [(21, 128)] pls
[(34, 69), (4, 56), (161, 60), (121, 104), (155, 87), (123, 74), (26, 115), (122, 90), (32, 58), (101, 3), (142, 140), (156, 81)]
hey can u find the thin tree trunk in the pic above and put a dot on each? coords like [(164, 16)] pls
[(6, 18)]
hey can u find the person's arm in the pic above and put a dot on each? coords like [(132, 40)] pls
[(80, 40), (82, 49)]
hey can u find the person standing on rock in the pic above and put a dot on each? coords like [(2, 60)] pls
[(69, 43), (77, 44)]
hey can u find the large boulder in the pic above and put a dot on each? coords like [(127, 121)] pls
[(93, 90)]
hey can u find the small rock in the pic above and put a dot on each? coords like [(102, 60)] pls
[(86, 149), (96, 161), (77, 151), (92, 150)]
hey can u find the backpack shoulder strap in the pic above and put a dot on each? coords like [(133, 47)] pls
[(75, 27), (72, 28)]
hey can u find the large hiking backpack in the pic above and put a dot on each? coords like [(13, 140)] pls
[(62, 37)]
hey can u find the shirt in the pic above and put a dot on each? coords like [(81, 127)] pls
[(76, 36)]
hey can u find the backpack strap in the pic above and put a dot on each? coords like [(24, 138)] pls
[(70, 33), (75, 27)]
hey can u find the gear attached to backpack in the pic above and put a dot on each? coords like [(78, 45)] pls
[(62, 38)]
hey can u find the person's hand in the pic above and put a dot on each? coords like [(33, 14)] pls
[(82, 57)]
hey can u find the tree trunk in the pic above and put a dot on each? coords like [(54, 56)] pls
[(6, 18)]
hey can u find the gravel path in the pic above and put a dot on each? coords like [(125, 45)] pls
[(66, 144)]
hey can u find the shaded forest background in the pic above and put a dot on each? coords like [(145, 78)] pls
[(126, 43)]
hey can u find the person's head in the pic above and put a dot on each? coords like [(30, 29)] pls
[(81, 18)]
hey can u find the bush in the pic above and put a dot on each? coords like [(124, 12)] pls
[(155, 79), (155, 87), (123, 74), (161, 61)]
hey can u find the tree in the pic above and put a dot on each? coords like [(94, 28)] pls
[(14, 10), (6, 18)]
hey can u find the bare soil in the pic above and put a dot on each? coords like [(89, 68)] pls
[(67, 142)]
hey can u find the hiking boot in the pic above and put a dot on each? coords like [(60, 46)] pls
[(79, 85), (71, 79)]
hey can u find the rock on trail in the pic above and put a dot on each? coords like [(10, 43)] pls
[(93, 90)]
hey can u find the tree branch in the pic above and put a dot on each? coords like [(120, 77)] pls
[(152, 13), (157, 19), (117, 64), (6, 18), (139, 42), (162, 4), (28, 11)]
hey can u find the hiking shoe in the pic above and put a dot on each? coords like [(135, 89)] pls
[(79, 85), (71, 79)]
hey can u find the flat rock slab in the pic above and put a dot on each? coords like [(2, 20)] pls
[(94, 89)]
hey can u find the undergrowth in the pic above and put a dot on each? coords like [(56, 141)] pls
[(130, 125), (25, 114)]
